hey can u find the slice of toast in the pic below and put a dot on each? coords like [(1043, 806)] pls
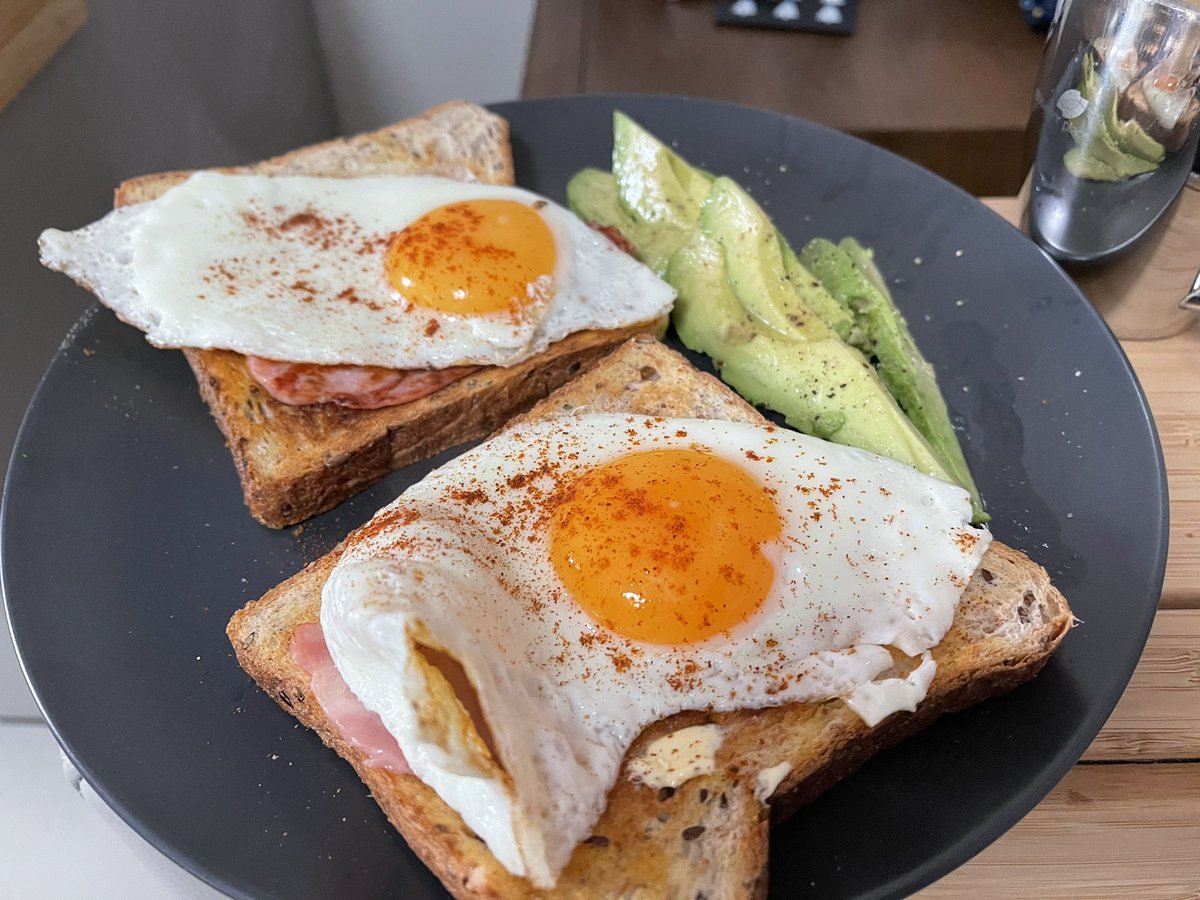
[(297, 461), (709, 837)]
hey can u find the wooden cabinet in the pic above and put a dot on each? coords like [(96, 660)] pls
[(948, 85)]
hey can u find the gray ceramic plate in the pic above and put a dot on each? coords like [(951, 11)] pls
[(126, 546)]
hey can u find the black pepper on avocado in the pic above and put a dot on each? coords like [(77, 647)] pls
[(851, 275)]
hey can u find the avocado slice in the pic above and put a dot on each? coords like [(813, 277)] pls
[(654, 199), (754, 263), (850, 274), (592, 195), (707, 315), (816, 297), (822, 386), (659, 192), (1131, 137), (1102, 149)]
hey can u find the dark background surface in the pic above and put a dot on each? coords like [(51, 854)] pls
[(142, 87), (140, 685)]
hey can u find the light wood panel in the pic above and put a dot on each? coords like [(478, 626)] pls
[(31, 33), (1106, 831), (1170, 373), (1158, 717), (15, 15)]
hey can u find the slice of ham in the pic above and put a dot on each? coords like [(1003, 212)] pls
[(355, 387), (358, 726)]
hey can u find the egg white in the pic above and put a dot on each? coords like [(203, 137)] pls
[(206, 266), (884, 564), (1167, 106)]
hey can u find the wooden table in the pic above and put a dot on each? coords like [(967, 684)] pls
[(1116, 827), (948, 85), (31, 31)]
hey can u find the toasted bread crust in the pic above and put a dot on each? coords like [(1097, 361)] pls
[(710, 837), (454, 140), (295, 462)]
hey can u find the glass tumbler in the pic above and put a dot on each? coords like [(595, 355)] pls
[(1114, 125)]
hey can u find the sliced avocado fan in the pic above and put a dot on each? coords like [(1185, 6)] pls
[(652, 196), (786, 334), (777, 353)]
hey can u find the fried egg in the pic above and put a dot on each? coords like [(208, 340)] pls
[(401, 272), (594, 573), (1168, 94)]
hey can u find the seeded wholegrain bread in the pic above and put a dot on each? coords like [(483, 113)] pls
[(709, 838), (297, 461)]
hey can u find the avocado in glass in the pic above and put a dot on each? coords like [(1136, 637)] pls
[(1107, 148)]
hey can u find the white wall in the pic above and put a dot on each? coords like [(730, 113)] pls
[(388, 59)]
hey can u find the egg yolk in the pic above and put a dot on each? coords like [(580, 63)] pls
[(666, 546), (473, 258)]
